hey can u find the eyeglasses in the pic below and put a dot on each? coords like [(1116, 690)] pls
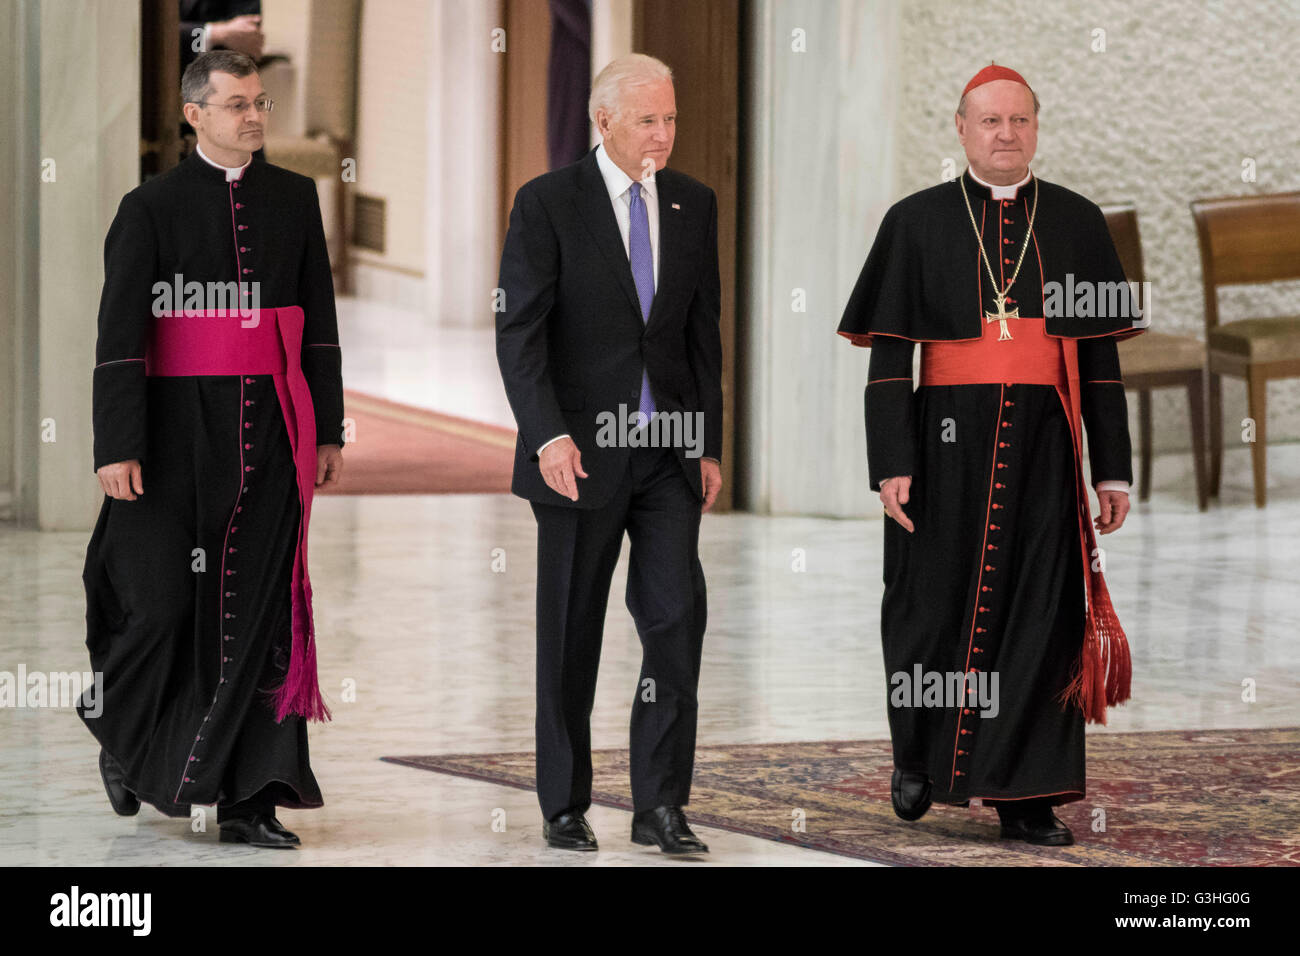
[(263, 104)]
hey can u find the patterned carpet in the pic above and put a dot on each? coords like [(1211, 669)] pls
[(1168, 798)]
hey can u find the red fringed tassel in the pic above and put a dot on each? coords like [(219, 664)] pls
[(1086, 690), (1104, 672)]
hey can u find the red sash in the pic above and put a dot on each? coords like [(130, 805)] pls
[(217, 342), (1103, 673)]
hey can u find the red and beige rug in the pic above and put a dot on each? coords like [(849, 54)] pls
[(404, 450), (1168, 798)]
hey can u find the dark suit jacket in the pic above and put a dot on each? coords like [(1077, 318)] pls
[(195, 13), (570, 339)]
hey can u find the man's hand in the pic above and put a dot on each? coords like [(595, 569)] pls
[(710, 480), (894, 494), (242, 33), (329, 465), (559, 462), (119, 478), (1113, 506)]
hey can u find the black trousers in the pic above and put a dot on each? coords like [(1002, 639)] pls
[(261, 803), (577, 550)]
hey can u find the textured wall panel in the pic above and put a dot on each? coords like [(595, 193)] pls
[(1183, 93)]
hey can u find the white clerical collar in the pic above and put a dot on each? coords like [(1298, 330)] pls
[(1000, 192), (232, 172), (617, 181)]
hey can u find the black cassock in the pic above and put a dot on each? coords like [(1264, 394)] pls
[(192, 644), (994, 579)]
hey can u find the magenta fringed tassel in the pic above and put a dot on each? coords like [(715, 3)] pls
[(300, 692)]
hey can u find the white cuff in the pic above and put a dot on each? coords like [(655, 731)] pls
[(1113, 486), (551, 442)]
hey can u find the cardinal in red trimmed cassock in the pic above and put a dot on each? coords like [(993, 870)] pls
[(999, 636)]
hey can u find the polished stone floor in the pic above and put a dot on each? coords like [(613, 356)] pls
[(439, 648)]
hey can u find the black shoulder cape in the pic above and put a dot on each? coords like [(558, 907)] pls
[(924, 279)]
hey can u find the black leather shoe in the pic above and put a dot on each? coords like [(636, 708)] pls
[(569, 831), (665, 827), (910, 794), (262, 830), (1039, 829), (125, 803)]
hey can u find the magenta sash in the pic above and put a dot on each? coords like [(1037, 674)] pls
[(217, 342)]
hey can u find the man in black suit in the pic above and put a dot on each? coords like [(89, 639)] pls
[(609, 300), (220, 25)]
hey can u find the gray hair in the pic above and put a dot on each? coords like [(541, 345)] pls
[(634, 69), (196, 84), (961, 105)]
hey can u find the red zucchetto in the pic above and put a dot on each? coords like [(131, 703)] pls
[(994, 72)]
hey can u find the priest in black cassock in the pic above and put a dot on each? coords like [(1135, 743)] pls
[(999, 637), (218, 407)]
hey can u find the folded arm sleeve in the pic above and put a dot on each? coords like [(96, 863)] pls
[(704, 339), (119, 412), (888, 401), (530, 263), (1105, 410), (322, 360)]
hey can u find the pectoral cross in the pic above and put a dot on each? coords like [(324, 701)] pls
[(1001, 315)]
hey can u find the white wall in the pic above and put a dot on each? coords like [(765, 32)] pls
[(462, 247), (394, 79), (611, 36), (819, 155), (1181, 95), (89, 129)]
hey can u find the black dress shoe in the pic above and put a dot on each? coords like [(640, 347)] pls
[(262, 830), (278, 827), (125, 803), (569, 831), (1040, 829), (665, 827), (910, 794)]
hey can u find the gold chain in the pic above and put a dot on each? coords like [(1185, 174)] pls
[(979, 240)]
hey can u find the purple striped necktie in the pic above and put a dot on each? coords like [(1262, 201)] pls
[(643, 273)]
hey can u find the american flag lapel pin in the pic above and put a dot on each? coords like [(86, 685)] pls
[(677, 206)]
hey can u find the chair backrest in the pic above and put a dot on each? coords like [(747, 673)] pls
[(1122, 221), (330, 71), (1246, 239)]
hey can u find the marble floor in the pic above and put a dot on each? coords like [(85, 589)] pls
[(439, 647)]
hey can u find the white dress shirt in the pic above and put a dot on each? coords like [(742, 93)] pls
[(1009, 192), (232, 172), (619, 183)]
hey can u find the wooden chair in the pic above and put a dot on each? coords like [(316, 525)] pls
[(1158, 360), (327, 82), (1246, 240)]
